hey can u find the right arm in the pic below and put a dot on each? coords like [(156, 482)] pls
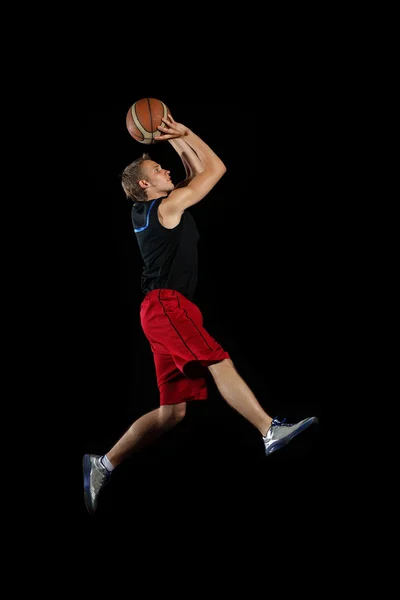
[(208, 170)]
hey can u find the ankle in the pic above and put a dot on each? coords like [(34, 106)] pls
[(266, 426), (106, 463)]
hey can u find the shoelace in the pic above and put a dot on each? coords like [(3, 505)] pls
[(276, 421)]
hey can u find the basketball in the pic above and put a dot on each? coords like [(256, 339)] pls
[(143, 118)]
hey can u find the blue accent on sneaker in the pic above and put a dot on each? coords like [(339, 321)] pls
[(281, 433)]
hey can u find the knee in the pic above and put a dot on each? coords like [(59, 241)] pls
[(173, 414), (179, 412), (221, 367)]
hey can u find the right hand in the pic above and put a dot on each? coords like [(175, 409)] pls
[(171, 129)]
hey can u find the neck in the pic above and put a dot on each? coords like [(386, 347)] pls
[(155, 195)]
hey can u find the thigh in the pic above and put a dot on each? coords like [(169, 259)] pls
[(174, 387)]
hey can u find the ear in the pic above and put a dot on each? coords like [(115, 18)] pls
[(143, 183)]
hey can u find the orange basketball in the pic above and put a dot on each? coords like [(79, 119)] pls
[(143, 118)]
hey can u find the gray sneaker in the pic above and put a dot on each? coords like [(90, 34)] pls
[(280, 433), (95, 477)]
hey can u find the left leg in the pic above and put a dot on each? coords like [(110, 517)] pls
[(237, 393)]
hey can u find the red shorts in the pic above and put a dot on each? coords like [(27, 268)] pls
[(181, 346)]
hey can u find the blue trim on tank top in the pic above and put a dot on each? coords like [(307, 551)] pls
[(147, 219)]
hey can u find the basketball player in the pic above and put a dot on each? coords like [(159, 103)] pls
[(173, 324)]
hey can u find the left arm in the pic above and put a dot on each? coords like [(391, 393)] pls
[(190, 159)]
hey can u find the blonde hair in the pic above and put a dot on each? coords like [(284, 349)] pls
[(130, 178)]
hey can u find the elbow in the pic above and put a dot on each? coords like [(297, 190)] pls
[(217, 171), (221, 171)]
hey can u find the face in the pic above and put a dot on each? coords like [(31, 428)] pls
[(158, 179)]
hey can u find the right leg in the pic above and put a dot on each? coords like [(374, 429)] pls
[(145, 430), (97, 469)]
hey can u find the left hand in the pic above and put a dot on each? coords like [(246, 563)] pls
[(171, 129)]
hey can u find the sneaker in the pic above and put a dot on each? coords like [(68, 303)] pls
[(280, 433), (95, 477)]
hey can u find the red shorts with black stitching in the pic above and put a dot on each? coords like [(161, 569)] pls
[(180, 344)]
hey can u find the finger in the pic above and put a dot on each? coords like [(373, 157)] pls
[(163, 137), (164, 130)]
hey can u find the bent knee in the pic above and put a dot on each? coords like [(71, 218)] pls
[(221, 365), (172, 414)]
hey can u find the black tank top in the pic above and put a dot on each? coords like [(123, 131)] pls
[(169, 255)]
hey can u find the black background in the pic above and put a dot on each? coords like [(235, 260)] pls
[(265, 293)]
